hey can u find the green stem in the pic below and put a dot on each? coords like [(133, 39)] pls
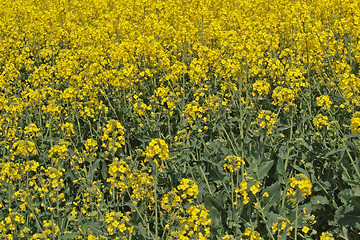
[(264, 218), (297, 215), (288, 149), (156, 205), (353, 163), (206, 180)]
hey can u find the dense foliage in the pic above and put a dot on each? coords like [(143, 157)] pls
[(179, 119)]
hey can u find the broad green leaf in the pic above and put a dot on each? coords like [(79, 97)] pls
[(319, 200), (265, 168), (94, 227), (347, 215), (274, 196), (301, 170), (280, 167)]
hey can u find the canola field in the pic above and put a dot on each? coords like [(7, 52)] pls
[(180, 119)]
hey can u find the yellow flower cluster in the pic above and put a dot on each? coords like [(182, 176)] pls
[(261, 87), (113, 137), (321, 121), (251, 234), (118, 171), (266, 120), (228, 237), (181, 136), (31, 130), (194, 111), (171, 201), (157, 149), (118, 224), (91, 146), (68, 129), (141, 187), (10, 171), (140, 108), (299, 184), (355, 123), (233, 163), (248, 184), (59, 151), (13, 219), (324, 102), (195, 225), (54, 176), (187, 189), (326, 236), (282, 226), (283, 97), (193, 222), (72, 72), (24, 148), (50, 229), (349, 85), (167, 99)]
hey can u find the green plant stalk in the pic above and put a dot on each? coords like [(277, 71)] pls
[(156, 205), (232, 188), (284, 195), (206, 181), (296, 213), (169, 124), (264, 218), (229, 139), (142, 218), (288, 150), (353, 163)]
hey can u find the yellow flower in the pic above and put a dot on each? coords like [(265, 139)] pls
[(321, 121), (305, 229), (157, 148), (299, 182), (355, 123), (324, 102), (233, 163), (326, 236), (266, 120)]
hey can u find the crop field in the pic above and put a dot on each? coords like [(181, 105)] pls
[(180, 119)]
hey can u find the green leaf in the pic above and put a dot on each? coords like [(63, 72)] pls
[(319, 200), (210, 202), (336, 150), (355, 135), (142, 230), (347, 215), (265, 168), (303, 171), (70, 174), (94, 166), (280, 167), (345, 195), (215, 217), (356, 200), (69, 236), (356, 191), (306, 145), (94, 227), (274, 196), (104, 170), (280, 129)]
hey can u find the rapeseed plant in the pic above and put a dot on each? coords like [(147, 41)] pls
[(179, 119)]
